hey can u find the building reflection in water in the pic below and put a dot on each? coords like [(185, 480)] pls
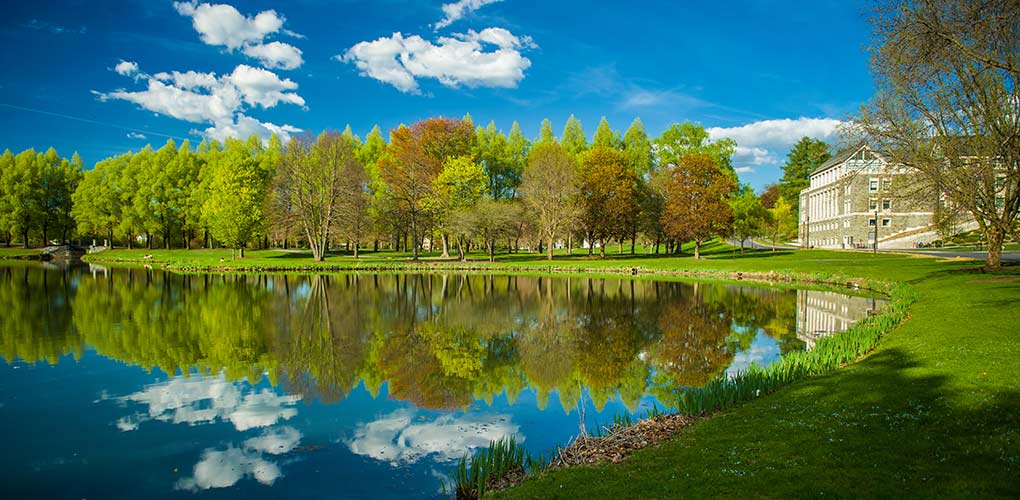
[(821, 313)]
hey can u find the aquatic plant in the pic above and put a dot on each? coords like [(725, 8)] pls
[(501, 461)]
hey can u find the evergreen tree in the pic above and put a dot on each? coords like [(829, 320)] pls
[(805, 157)]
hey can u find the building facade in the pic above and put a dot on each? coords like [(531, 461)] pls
[(851, 199)]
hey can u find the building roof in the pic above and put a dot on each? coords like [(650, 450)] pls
[(840, 157)]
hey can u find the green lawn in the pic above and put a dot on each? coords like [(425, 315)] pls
[(933, 412), (17, 252)]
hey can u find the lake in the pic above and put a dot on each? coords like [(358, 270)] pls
[(136, 383)]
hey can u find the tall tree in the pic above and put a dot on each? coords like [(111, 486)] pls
[(495, 158), (638, 148), (611, 193), (415, 158), (805, 157), (573, 139), (314, 184), (695, 207), (550, 191), (782, 221), (237, 191), (545, 133), (749, 216), (605, 136), (458, 188), (517, 147), (946, 108)]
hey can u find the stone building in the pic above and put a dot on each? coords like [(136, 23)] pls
[(851, 196)]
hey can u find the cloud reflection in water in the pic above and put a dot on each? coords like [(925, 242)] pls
[(398, 439)]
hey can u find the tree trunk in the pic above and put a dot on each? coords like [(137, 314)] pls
[(24, 235), (492, 250), (697, 249), (549, 256), (460, 248), (241, 251), (45, 235), (602, 249), (570, 244), (446, 246), (995, 237), (356, 245)]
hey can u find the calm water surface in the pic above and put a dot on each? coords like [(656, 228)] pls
[(144, 384)]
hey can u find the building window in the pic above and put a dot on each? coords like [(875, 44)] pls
[(886, 222), (871, 222), (886, 204), (873, 204), (886, 184), (873, 185)]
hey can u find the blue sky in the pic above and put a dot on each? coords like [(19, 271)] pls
[(104, 78)]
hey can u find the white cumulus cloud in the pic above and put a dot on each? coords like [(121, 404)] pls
[(223, 25), (488, 58), (135, 135), (457, 10), (126, 68), (275, 55), (765, 142), (222, 101)]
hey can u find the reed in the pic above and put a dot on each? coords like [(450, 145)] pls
[(500, 461)]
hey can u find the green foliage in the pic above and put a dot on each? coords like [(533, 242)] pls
[(606, 137), (234, 209), (573, 139), (750, 218), (805, 157), (683, 139), (474, 476), (638, 148), (545, 133)]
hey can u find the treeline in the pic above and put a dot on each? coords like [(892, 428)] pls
[(440, 183)]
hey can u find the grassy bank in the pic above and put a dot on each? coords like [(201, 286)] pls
[(18, 252), (933, 412)]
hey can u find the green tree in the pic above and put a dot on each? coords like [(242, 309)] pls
[(605, 136), (782, 221), (545, 133), (573, 139), (237, 190), (638, 148), (805, 157), (458, 187), (749, 216)]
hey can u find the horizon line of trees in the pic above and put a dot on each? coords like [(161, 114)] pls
[(438, 183)]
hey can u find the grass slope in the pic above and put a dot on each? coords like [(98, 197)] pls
[(933, 412)]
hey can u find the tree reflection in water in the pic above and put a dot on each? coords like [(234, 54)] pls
[(440, 340)]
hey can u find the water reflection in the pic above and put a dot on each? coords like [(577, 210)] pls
[(399, 374), (407, 436), (196, 400), (441, 341)]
